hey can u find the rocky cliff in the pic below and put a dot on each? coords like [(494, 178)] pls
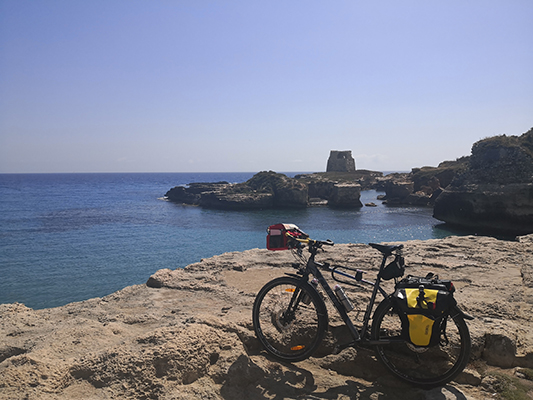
[(187, 333), (496, 191)]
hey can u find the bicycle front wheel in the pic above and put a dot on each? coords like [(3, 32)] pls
[(422, 366), (289, 318)]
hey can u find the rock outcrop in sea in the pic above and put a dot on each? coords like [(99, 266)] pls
[(187, 333), (263, 191), (269, 189), (495, 192)]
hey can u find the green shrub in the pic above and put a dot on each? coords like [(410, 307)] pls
[(510, 387)]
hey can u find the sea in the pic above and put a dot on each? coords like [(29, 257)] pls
[(71, 237)]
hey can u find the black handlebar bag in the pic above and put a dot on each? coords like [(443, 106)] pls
[(424, 305)]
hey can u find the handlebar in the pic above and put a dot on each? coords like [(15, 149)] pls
[(311, 242)]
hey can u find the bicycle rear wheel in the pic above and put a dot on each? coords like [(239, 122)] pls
[(422, 366), (289, 318)]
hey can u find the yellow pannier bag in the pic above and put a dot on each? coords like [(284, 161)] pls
[(420, 329), (423, 306), (413, 296)]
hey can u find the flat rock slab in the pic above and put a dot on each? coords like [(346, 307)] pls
[(187, 334)]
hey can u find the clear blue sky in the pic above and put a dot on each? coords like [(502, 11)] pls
[(196, 86)]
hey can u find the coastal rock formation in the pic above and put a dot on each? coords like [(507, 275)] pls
[(422, 186), (397, 191), (320, 184), (263, 191), (496, 191), (488, 207), (228, 200), (345, 195), (273, 190), (193, 193), (287, 192), (340, 161), (187, 333)]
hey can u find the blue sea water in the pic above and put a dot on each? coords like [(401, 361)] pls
[(70, 237)]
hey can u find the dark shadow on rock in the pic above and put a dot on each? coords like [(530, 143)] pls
[(446, 229), (275, 380), (247, 380)]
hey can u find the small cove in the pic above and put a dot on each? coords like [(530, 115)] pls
[(70, 237)]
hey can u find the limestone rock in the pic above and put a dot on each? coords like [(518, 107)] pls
[(496, 191), (222, 200), (469, 377), (194, 191), (500, 350), (421, 186), (187, 333), (488, 207), (269, 189), (418, 199), (287, 192), (398, 191), (263, 191), (345, 195)]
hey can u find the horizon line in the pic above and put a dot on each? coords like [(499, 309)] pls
[(193, 172)]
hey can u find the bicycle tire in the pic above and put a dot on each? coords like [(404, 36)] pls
[(289, 334), (422, 366)]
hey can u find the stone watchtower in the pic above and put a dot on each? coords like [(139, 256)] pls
[(340, 161)]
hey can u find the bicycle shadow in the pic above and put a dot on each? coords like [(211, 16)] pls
[(358, 376), (274, 380)]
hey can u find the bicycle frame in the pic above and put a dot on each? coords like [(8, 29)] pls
[(312, 268)]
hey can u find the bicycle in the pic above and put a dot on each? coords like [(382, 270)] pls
[(290, 319)]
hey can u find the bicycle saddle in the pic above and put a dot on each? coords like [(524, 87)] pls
[(386, 249)]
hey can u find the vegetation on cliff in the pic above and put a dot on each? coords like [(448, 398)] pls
[(501, 160)]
